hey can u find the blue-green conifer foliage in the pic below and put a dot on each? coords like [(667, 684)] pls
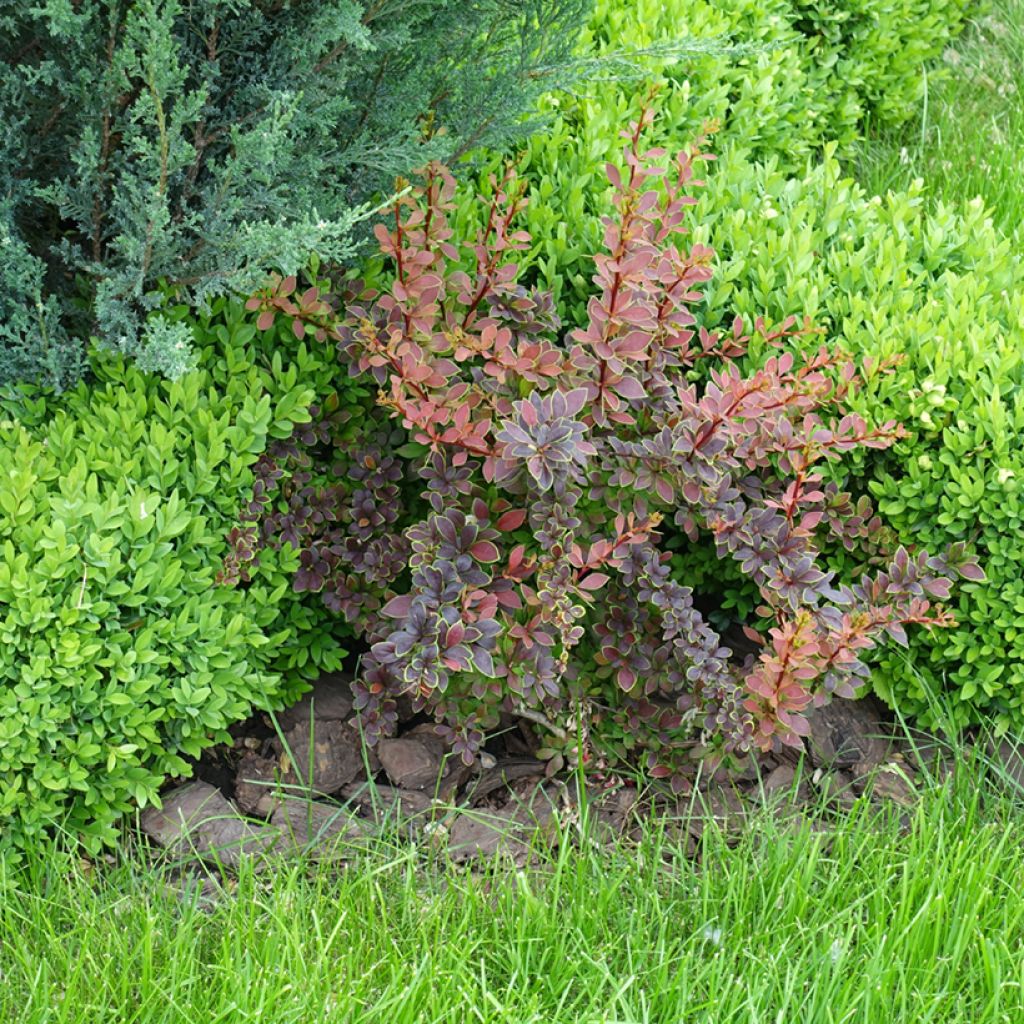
[(200, 143)]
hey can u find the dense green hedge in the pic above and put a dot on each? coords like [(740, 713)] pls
[(944, 290), (886, 276), (817, 73), (825, 66), (119, 653)]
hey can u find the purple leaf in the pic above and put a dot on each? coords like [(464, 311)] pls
[(630, 387), (398, 607)]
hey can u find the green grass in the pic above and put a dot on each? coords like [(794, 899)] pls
[(969, 139), (873, 920)]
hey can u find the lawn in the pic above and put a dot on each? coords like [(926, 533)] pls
[(865, 917), (969, 138)]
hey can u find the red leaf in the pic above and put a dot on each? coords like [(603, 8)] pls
[(511, 520), (799, 725), (509, 599), (753, 635), (811, 520), (485, 551), (594, 581), (265, 320), (632, 344), (664, 490), (630, 387), (397, 607), (938, 587)]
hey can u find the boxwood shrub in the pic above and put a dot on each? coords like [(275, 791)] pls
[(941, 290), (818, 71), (821, 70), (120, 656)]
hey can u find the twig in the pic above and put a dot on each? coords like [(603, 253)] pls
[(539, 719)]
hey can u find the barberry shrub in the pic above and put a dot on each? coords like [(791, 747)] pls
[(500, 542), (898, 274)]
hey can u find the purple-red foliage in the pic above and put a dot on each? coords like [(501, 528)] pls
[(501, 551)]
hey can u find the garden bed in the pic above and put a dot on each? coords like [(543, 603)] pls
[(303, 782)]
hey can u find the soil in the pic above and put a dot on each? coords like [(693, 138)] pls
[(257, 794)]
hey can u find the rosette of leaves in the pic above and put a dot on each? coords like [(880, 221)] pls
[(557, 465)]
